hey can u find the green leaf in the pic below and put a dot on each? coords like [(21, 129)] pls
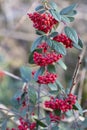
[(77, 105), (57, 112), (71, 19), (72, 13), (4, 124), (56, 15), (39, 72), (80, 43), (31, 61), (69, 113), (77, 46), (51, 68), (62, 64), (47, 119), (53, 5), (65, 19), (53, 34), (39, 123), (53, 86), (39, 7), (32, 95), (54, 92), (36, 43), (49, 42), (39, 32), (41, 11), (59, 47), (68, 9), (59, 85), (71, 33), (26, 73), (55, 128)]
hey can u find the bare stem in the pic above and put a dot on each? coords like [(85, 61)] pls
[(77, 69), (12, 75)]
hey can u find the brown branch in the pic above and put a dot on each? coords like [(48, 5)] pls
[(77, 69), (82, 78)]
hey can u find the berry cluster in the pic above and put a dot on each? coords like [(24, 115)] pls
[(43, 22), (54, 117), (46, 59), (60, 104), (43, 46), (47, 78), (64, 39), (24, 125)]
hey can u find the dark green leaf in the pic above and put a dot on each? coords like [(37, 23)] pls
[(71, 19), (39, 72), (41, 11), (80, 43), (65, 19), (32, 95), (62, 64), (53, 86), (56, 15), (31, 61), (39, 123), (54, 92), (68, 9), (26, 74), (51, 68), (39, 32), (36, 43), (71, 33), (77, 105), (59, 47), (77, 46), (39, 7), (53, 34), (53, 5), (57, 112)]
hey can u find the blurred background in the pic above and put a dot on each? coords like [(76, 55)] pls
[(17, 35)]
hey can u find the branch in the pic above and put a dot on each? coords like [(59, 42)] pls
[(11, 75), (77, 69)]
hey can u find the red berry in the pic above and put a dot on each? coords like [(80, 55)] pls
[(46, 59), (64, 39), (43, 22)]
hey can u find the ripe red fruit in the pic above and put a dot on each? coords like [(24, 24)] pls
[(47, 78), (64, 39), (43, 22), (46, 59)]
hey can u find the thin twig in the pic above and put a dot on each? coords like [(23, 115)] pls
[(11, 75), (82, 78)]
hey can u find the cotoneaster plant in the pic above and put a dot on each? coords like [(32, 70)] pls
[(43, 103)]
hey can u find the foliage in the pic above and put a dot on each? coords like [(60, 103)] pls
[(43, 101)]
